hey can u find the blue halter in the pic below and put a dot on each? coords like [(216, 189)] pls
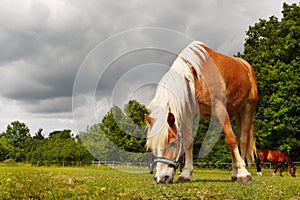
[(172, 162)]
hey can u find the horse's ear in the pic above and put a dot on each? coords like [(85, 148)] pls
[(171, 119), (149, 119)]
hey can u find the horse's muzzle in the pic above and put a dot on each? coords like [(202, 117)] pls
[(163, 180)]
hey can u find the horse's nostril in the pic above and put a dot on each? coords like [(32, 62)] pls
[(166, 178), (155, 179)]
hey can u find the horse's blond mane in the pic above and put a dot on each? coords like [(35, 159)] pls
[(175, 93)]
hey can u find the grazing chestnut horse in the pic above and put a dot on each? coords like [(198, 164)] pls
[(277, 157), (201, 81)]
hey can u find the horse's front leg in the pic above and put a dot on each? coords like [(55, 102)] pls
[(239, 171), (187, 173), (276, 168), (281, 170), (188, 170)]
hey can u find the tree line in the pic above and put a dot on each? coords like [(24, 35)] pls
[(17, 145), (271, 47)]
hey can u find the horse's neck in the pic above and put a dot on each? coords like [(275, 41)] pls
[(288, 161)]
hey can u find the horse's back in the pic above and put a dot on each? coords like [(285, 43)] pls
[(271, 156), (239, 79)]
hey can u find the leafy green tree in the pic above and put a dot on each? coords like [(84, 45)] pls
[(31, 149), (272, 47), (98, 144), (5, 148), (18, 137), (136, 111), (126, 130), (60, 147), (64, 134), (120, 136), (39, 135)]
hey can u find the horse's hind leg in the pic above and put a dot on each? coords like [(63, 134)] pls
[(242, 137), (259, 165), (239, 172), (239, 134), (245, 121)]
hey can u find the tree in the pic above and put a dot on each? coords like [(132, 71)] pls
[(59, 147), (5, 148), (136, 111), (98, 144), (126, 130), (39, 135), (120, 136), (64, 134), (272, 47), (18, 137)]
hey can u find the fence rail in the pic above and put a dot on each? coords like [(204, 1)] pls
[(198, 164), (112, 163)]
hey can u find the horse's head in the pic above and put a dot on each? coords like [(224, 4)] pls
[(293, 171), (167, 156), (151, 167)]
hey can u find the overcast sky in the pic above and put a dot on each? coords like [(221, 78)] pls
[(97, 53)]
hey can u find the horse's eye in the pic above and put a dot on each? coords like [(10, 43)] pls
[(173, 144)]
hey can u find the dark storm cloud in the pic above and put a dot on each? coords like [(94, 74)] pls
[(45, 42), (53, 105)]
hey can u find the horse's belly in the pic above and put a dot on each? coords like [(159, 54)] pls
[(205, 110), (233, 109)]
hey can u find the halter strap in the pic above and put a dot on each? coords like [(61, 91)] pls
[(172, 162), (167, 161)]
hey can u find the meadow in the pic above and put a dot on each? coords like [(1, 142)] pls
[(20, 181)]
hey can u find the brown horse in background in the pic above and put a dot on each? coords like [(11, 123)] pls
[(277, 157)]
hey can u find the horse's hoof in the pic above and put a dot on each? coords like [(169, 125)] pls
[(233, 178), (244, 179), (259, 174), (182, 179)]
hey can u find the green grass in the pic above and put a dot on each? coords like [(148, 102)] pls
[(29, 182)]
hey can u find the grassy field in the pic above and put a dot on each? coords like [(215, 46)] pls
[(28, 182)]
